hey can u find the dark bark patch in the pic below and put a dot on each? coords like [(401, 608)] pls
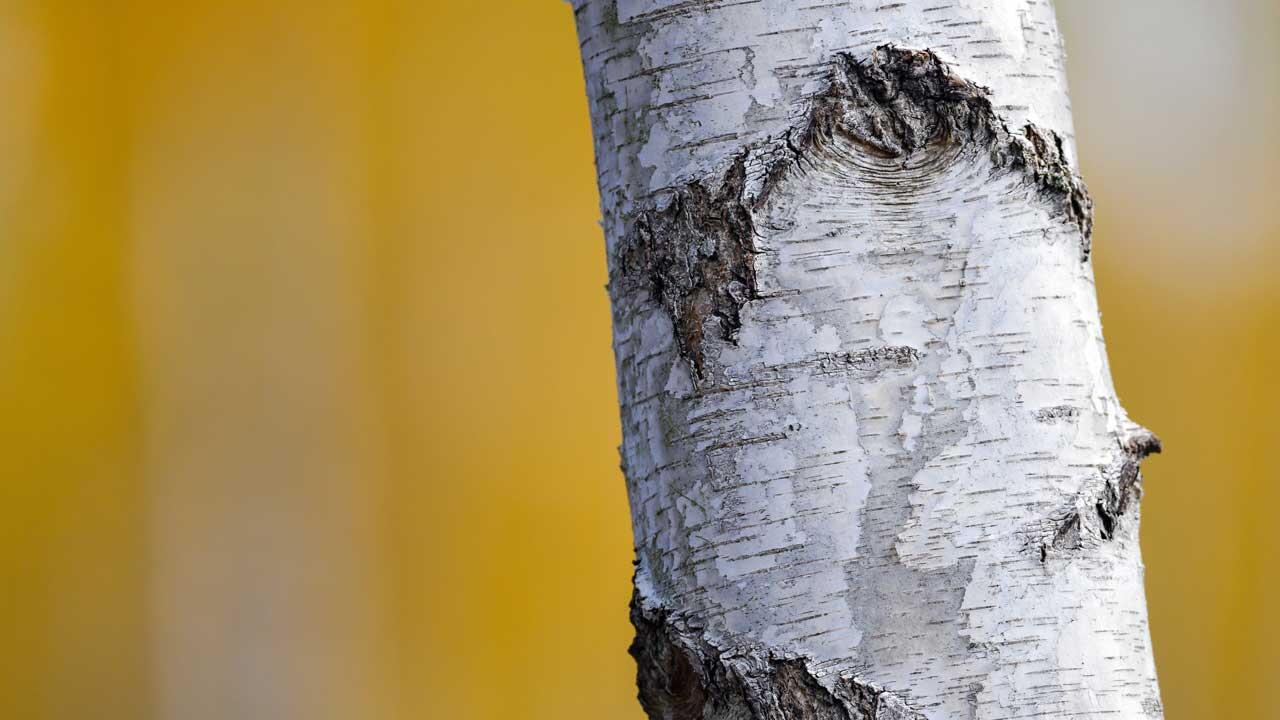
[(1040, 153), (1067, 535), (682, 676), (695, 257), (898, 101)]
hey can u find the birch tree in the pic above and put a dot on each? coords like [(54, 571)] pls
[(875, 460)]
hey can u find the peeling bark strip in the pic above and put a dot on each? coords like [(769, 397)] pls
[(695, 251), (683, 676), (875, 461)]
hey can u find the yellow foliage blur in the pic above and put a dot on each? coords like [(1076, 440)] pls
[(306, 390)]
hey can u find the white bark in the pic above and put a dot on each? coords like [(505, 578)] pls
[(876, 464)]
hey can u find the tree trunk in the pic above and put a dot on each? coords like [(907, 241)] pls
[(876, 464)]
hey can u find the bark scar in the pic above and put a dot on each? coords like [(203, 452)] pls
[(693, 248), (1126, 488), (1096, 515)]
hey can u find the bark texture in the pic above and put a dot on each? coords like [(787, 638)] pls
[(876, 465)]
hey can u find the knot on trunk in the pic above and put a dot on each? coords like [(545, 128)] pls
[(692, 248)]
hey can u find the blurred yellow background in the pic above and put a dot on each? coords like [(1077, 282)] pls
[(306, 389)]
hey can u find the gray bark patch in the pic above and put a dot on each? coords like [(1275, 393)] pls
[(682, 676), (693, 252)]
